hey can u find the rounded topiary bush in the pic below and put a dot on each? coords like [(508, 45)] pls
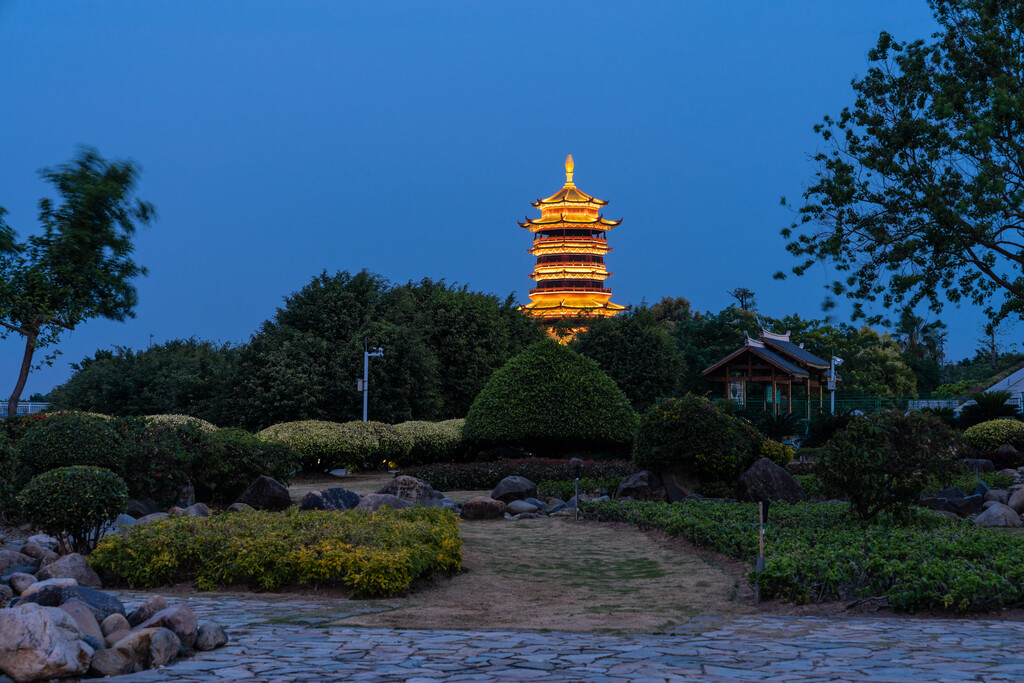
[(231, 459), (432, 442), (691, 434), (67, 439), (159, 457), (321, 443), (74, 504), (883, 461), (550, 399), (778, 453), (12, 477), (177, 420), (988, 436)]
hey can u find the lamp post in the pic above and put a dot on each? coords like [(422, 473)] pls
[(836, 362), (364, 383)]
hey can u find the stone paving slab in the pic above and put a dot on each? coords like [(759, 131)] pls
[(755, 648)]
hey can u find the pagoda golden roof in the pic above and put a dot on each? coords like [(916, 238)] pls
[(549, 221), (569, 192)]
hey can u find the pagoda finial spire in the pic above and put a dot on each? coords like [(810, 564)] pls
[(568, 169)]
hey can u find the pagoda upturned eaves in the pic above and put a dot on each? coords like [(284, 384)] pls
[(570, 244)]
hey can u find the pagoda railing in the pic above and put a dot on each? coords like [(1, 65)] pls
[(555, 290), (585, 239)]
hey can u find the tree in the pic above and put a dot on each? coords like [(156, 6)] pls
[(918, 338), (921, 195), (80, 267), (637, 353), (708, 337), (744, 298)]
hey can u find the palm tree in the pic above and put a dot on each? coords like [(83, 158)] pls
[(919, 338)]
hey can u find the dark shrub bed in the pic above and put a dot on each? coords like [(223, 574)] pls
[(486, 475), (818, 552)]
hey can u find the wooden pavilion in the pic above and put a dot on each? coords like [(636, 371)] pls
[(775, 364)]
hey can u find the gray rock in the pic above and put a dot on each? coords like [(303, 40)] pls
[(978, 465), (47, 596), (555, 505), (411, 489), (21, 582), (111, 662), (519, 507), (482, 507), (642, 485), (767, 481), (115, 637), (186, 496), (44, 540), (149, 648), (448, 504), (39, 643), (115, 622), (141, 507), (945, 513), (33, 549), (998, 495), (951, 493), (177, 618), (539, 504), (1006, 449), (102, 604), (988, 503), (266, 494), (335, 499), (154, 517), (211, 636), (1008, 472), (514, 488), (71, 566), (373, 501), (198, 510), (6, 593), (239, 507), (84, 619), (146, 610), (22, 569), (528, 515), (10, 559), (998, 515), (1017, 500)]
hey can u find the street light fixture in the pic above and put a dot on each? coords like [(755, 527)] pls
[(363, 385), (836, 362)]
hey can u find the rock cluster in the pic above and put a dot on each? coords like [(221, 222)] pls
[(56, 623), (987, 507)]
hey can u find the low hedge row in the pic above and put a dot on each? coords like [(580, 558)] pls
[(350, 445), (372, 553), (817, 552), (486, 475), (566, 488)]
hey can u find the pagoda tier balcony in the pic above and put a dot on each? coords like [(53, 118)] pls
[(563, 288), (564, 274), (569, 260)]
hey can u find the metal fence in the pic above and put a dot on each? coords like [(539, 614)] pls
[(25, 407)]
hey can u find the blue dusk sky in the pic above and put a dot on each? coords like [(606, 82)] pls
[(280, 139)]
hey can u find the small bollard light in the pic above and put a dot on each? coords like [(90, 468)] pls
[(578, 464)]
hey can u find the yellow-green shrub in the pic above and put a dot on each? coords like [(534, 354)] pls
[(778, 453), (431, 441), (988, 436), (352, 445), (182, 420), (375, 553)]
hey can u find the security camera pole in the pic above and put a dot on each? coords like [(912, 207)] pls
[(836, 362), (363, 385)]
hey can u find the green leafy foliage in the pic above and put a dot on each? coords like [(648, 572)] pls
[(177, 420), (74, 504), (374, 554), (988, 436), (486, 475), (691, 433), (819, 552), (12, 477), (778, 426), (778, 453), (988, 405), (67, 439), (636, 352), (551, 399), (231, 459), (432, 441), (883, 461), (160, 457), (823, 427), (566, 488), (352, 445)]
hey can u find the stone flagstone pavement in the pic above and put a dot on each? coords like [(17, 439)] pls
[(761, 648)]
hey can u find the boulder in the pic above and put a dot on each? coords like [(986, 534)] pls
[(111, 662), (555, 505), (44, 540), (514, 488), (177, 618), (115, 637), (59, 584), (374, 501), (149, 648), (197, 510), (1006, 449), (141, 507), (266, 494), (210, 636), (678, 484), (412, 489), (951, 493), (998, 515), (519, 507), (84, 618), (38, 643), (1008, 472), (336, 499), (102, 604), (146, 610), (978, 465), (115, 622), (156, 516), (186, 497), (536, 502), (767, 481), (482, 507), (20, 582), (945, 513), (21, 569), (239, 507), (10, 559), (33, 549), (998, 495), (71, 566), (642, 485), (6, 593), (1017, 500)]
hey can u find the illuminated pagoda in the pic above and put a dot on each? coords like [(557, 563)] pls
[(569, 242)]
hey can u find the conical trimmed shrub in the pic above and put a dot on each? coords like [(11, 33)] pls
[(547, 399)]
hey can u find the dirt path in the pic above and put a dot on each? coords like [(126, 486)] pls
[(559, 575)]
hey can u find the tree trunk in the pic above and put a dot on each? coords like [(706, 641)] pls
[(26, 364)]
